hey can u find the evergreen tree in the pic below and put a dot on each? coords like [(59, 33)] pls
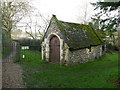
[(109, 19)]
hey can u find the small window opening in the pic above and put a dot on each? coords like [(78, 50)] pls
[(103, 48), (89, 49)]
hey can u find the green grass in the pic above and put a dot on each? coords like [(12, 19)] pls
[(97, 74)]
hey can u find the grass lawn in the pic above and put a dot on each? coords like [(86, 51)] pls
[(97, 74)]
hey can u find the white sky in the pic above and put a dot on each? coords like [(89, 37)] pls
[(65, 10)]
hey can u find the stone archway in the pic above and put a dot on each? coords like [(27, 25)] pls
[(46, 45), (54, 45)]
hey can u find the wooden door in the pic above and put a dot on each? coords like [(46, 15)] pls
[(54, 50)]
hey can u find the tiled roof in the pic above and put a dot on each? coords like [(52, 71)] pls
[(79, 35)]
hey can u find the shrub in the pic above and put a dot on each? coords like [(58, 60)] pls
[(112, 47)]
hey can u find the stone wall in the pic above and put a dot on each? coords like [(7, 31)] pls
[(84, 55), (65, 54)]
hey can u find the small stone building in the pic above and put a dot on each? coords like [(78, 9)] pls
[(71, 43)]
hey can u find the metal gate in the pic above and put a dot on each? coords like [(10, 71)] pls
[(11, 53)]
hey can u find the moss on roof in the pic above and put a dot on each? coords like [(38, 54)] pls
[(100, 34), (79, 35)]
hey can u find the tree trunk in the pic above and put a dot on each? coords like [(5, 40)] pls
[(9, 35), (114, 43)]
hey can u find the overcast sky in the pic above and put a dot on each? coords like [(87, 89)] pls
[(65, 10)]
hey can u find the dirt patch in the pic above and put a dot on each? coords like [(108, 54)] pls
[(12, 76), (0, 76), (115, 82)]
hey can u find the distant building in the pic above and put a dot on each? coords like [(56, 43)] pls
[(70, 43)]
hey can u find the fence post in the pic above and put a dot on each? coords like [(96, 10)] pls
[(19, 53)]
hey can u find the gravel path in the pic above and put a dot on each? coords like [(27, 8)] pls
[(11, 73), (12, 76), (0, 74)]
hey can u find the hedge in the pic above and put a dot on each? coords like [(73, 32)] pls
[(34, 44)]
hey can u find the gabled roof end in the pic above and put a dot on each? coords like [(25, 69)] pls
[(53, 15)]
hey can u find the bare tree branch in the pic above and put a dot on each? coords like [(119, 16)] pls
[(30, 34), (12, 13)]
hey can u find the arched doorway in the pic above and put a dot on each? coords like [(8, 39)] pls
[(54, 50)]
